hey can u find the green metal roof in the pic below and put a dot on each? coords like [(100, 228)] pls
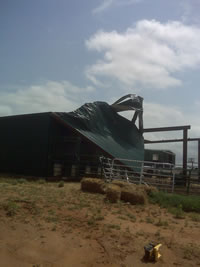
[(102, 125)]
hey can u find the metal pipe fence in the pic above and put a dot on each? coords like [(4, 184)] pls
[(160, 175), (164, 176)]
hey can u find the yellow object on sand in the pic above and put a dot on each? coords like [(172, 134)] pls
[(152, 252), (157, 255)]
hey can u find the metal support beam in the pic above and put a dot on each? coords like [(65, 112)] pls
[(199, 158), (185, 137), (169, 141), (165, 129)]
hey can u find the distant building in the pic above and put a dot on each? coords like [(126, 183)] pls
[(162, 156)]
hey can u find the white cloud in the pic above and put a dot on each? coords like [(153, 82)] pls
[(49, 96), (106, 4), (103, 6), (148, 54), (156, 115)]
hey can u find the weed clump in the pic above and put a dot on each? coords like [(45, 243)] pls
[(21, 181), (61, 184), (41, 181), (149, 220), (11, 208), (177, 212), (191, 251), (162, 223), (195, 217)]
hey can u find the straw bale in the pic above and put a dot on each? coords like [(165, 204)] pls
[(148, 189), (133, 196), (121, 184), (113, 193), (93, 185)]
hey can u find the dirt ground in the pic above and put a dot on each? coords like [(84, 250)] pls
[(48, 224)]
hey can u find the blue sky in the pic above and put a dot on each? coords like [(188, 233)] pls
[(55, 55)]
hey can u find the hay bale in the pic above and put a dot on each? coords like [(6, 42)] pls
[(148, 189), (93, 185), (121, 184), (113, 193), (132, 193), (133, 196)]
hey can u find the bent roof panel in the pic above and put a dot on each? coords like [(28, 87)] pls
[(99, 123)]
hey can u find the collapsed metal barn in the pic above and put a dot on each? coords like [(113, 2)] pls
[(69, 144)]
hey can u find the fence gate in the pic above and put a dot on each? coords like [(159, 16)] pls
[(160, 175)]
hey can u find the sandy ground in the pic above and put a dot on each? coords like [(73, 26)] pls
[(46, 225)]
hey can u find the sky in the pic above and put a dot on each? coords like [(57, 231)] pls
[(56, 55)]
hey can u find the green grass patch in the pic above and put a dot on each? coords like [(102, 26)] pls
[(184, 203), (177, 212)]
